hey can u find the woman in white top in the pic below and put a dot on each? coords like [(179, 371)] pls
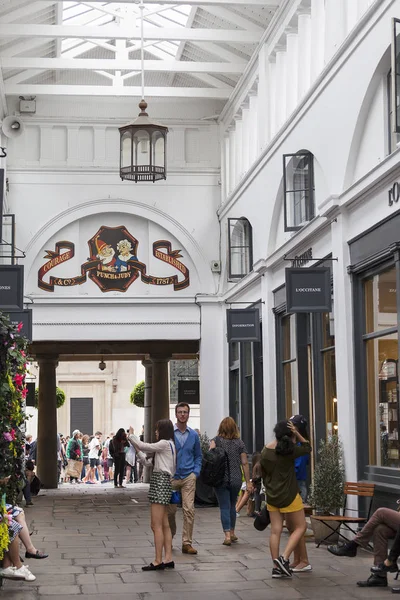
[(160, 489)]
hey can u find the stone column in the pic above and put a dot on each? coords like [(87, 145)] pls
[(148, 425), (148, 379), (214, 368), (47, 422), (160, 391), (291, 71), (304, 53)]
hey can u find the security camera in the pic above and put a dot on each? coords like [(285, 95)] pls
[(102, 365)]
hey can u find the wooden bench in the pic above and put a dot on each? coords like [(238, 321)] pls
[(334, 522)]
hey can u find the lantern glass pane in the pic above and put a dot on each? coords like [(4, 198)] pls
[(141, 140), (158, 149), (126, 149)]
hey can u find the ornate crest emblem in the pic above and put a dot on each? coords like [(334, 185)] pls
[(113, 263)]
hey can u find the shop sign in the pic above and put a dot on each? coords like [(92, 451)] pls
[(243, 325), (25, 318), (394, 193), (11, 287), (308, 290), (30, 396), (189, 391)]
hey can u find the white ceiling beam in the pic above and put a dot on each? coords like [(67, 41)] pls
[(3, 97), (245, 3), (20, 77), (220, 52), (126, 91), (176, 66), (112, 32), (231, 17), (74, 48), (22, 47), (210, 80), (25, 11)]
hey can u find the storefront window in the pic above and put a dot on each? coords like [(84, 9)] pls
[(289, 364), (329, 366), (381, 340)]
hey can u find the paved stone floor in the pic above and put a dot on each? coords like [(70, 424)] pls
[(98, 539)]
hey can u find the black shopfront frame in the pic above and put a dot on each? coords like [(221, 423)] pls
[(251, 409), (375, 251), (309, 333)]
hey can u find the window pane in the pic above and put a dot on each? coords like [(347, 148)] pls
[(328, 332), (234, 351), (141, 141), (383, 405), (380, 301), (330, 392), (299, 186), (396, 72), (158, 149), (126, 143), (248, 358), (291, 388), (240, 247)]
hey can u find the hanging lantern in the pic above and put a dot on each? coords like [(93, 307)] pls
[(143, 143), (143, 149)]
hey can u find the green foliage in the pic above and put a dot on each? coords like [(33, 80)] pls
[(326, 494), (60, 397), (12, 398), (137, 395), (204, 442)]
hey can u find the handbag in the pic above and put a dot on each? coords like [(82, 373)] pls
[(74, 468), (176, 497), (262, 520)]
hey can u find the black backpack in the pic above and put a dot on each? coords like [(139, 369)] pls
[(214, 466), (35, 486)]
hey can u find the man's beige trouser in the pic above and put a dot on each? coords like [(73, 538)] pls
[(187, 487)]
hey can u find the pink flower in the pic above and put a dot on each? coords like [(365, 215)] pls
[(19, 379), (8, 437), (24, 392), (20, 326)]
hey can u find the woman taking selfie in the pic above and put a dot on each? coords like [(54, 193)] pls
[(284, 501), (160, 490)]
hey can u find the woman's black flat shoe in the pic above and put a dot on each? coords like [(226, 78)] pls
[(152, 567), (37, 555), (169, 565)]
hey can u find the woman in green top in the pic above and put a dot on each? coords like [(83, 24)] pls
[(284, 502)]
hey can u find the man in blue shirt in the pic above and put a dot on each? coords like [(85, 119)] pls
[(188, 465)]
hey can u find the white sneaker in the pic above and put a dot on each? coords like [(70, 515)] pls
[(8, 573), (24, 573)]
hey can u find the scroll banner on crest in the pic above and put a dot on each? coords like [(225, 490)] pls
[(111, 281)]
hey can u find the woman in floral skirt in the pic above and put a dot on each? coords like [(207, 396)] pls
[(160, 491)]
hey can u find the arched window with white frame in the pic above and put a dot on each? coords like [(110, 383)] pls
[(240, 239)]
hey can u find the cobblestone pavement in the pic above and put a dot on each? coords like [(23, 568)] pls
[(98, 539)]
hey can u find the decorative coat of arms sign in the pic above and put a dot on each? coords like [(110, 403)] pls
[(113, 264)]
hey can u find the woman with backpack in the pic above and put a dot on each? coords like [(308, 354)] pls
[(228, 439)]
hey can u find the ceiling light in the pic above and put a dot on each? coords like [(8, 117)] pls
[(143, 151)]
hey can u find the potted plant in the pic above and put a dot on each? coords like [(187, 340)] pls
[(326, 494)]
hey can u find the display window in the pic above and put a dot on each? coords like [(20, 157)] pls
[(381, 355), (289, 366), (329, 367)]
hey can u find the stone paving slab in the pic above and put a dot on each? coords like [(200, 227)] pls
[(98, 540)]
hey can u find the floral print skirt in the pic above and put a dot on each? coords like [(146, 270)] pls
[(160, 491)]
